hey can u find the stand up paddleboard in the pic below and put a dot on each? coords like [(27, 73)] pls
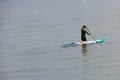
[(87, 42)]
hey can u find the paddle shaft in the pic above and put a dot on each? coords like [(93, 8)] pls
[(91, 35)]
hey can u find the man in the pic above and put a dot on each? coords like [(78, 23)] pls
[(84, 31)]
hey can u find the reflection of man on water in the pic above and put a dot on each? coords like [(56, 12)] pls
[(84, 49)]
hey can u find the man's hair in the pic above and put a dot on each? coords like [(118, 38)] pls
[(84, 26)]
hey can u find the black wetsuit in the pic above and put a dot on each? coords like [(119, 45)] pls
[(83, 34)]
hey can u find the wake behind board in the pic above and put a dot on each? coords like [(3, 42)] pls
[(87, 42)]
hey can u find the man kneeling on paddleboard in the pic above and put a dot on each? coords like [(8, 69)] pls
[(84, 31)]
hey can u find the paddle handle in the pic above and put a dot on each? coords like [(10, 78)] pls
[(91, 35)]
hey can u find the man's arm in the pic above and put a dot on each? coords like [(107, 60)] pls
[(86, 31)]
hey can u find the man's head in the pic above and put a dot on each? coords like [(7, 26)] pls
[(84, 26)]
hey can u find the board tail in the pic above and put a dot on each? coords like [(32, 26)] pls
[(70, 45)]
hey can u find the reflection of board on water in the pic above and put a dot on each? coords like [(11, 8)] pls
[(73, 44)]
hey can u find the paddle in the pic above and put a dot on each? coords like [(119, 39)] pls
[(91, 35)]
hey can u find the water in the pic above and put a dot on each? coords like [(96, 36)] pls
[(32, 33)]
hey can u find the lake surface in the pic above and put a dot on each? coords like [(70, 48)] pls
[(33, 31)]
